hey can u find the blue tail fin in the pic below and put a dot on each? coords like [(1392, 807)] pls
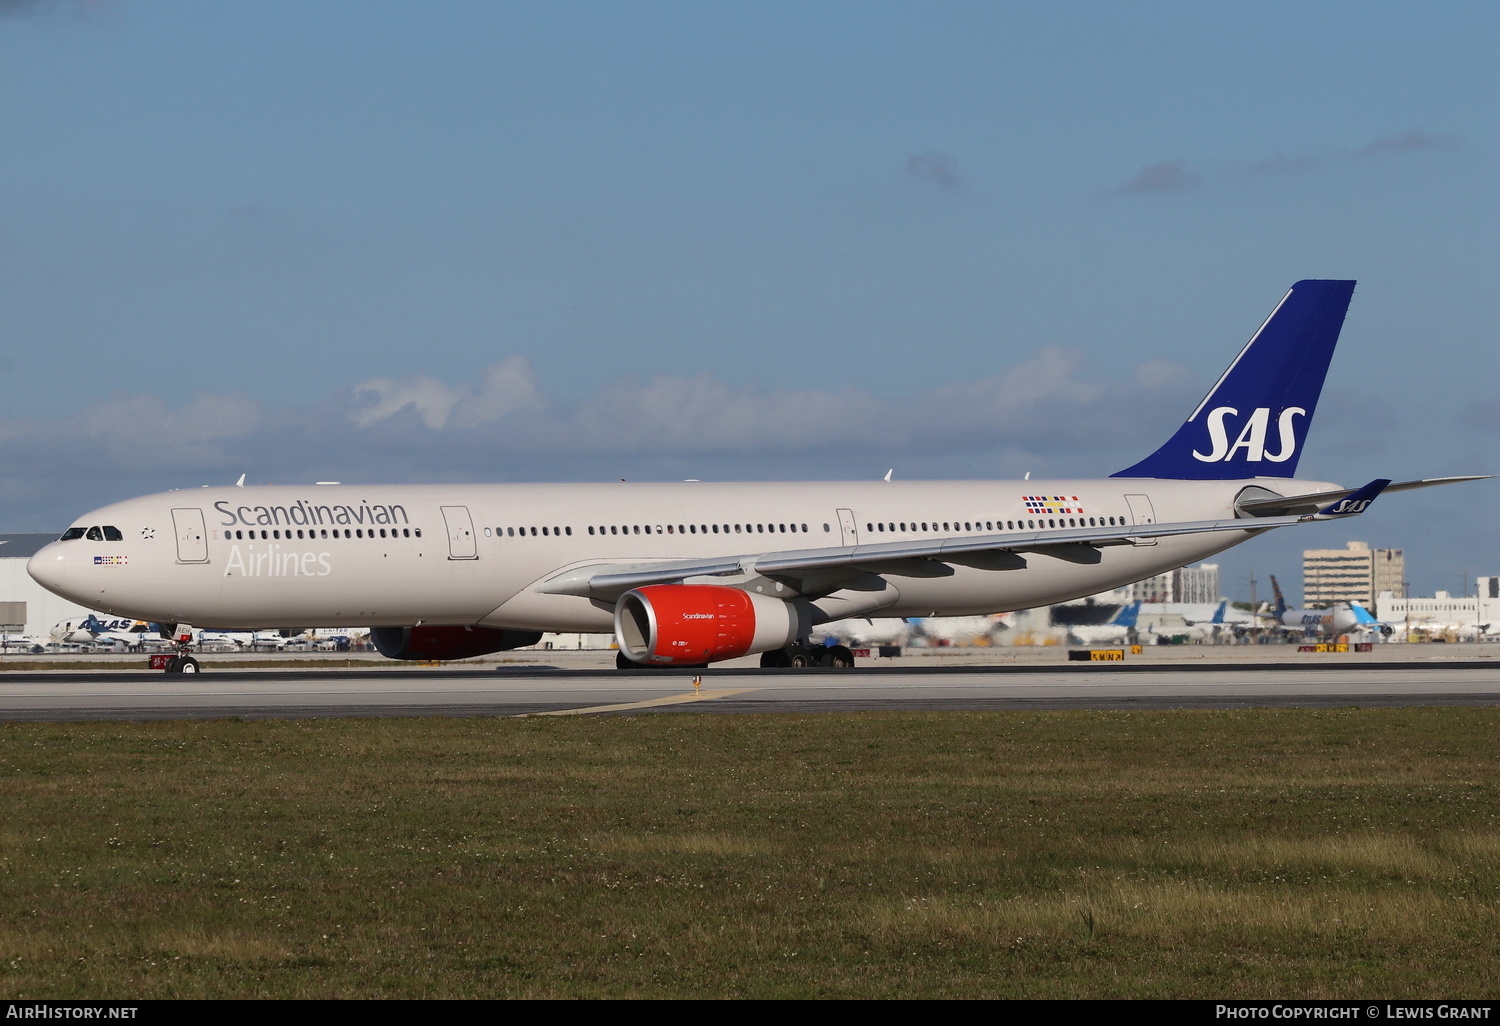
[(1362, 616), (1127, 615), (1254, 420), (1219, 613)]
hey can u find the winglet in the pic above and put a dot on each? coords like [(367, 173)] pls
[(1355, 502)]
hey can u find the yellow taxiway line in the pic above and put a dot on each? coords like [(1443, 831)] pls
[(650, 703)]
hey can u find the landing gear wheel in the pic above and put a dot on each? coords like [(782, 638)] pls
[(187, 664), (793, 657), (833, 657)]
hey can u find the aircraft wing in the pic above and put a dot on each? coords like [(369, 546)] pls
[(1281, 505), (932, 557)]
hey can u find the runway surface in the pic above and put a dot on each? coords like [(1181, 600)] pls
[(543, 690)]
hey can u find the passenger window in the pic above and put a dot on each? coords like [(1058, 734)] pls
[(417, 531)]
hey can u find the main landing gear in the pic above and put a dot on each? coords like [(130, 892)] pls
[(800, 657)]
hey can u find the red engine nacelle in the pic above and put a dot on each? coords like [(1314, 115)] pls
[(447, 642), (692, 624)]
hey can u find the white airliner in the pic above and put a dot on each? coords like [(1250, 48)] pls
[(687, 574), (1118, 631), (1340, 618), (125, 633)]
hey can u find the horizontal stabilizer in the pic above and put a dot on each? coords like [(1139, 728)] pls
[(1283, 505), (1355, 502)]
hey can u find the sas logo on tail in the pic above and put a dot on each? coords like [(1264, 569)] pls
[(1252, 437), (1348, 506)]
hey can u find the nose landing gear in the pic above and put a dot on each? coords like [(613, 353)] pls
[(180, 661)]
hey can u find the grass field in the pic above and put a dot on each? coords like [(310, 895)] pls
[(1352, 853)]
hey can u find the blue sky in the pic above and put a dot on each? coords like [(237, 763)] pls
[(376, 241)]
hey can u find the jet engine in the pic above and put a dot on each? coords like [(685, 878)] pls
[(693, 624), (447, 642)]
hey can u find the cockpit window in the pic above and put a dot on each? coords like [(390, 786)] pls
[(72, 534), (112, 534), (94, 534)]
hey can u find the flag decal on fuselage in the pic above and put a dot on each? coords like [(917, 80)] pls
[(1043, 504)]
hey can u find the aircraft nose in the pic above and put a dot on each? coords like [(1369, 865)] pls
[(56, 568)]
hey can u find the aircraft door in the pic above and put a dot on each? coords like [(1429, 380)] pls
[(192, 538), (1141, 513), (461, 544), (848, 528)]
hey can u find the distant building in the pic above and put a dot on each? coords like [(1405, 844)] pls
[(1185, 584), (1356, 573), (1444, 611)]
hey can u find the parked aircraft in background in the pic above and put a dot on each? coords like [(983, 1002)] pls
[(1215, 626), (1366, 622), (113, 631), (1119, 631), (33, 643), (1337, 619), (687, 574)]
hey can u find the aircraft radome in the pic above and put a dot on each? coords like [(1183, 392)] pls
[(689, 573)]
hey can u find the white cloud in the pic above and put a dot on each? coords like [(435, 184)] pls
[(1050, 406)]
